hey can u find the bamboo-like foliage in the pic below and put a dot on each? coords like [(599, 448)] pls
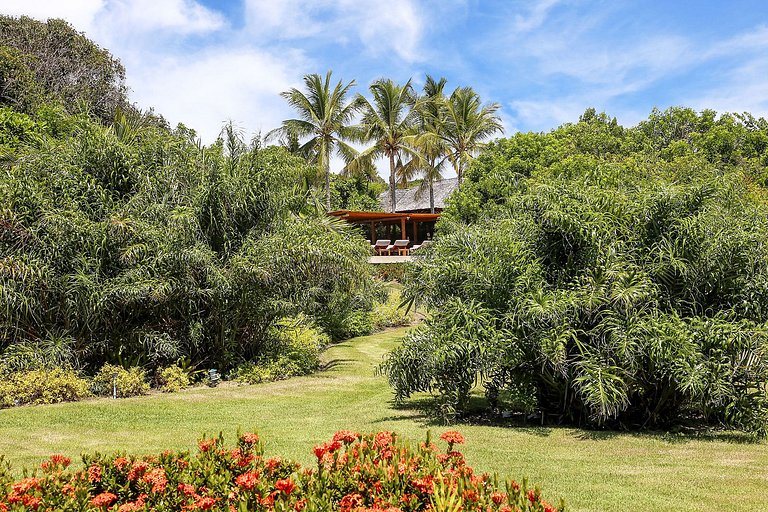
[(602, 280), (133, 245)]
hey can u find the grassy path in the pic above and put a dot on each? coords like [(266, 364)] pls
[(592, 471)]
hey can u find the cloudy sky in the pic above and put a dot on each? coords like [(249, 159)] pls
[(202, 62)]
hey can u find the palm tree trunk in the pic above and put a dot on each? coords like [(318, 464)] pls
[(431, 196), (327, 186), (392, 198), (324, 154)]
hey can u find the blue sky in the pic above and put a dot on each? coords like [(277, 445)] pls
[(202, 62)]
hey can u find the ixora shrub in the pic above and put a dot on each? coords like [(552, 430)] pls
[(131, 382), (597, 286), (43, 386), (354, 473)]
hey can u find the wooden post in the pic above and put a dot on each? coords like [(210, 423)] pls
[(402, 228), (373, 232), (415, 233)]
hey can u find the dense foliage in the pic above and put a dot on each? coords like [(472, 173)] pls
[(125, 242), (603, 275), (44, 63), (354, 473)]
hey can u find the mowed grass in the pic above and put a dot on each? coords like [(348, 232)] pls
[(593, 471)]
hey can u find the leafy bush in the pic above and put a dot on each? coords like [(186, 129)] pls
[(354, 473), (131, 382), (390, 313), (293, 349), (44, 386), (173, 379), (615, 287)]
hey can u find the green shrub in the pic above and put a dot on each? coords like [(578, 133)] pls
[(293, 349), (173, 379), (615, 287), (389, 313), (132, 382), (42, 386)]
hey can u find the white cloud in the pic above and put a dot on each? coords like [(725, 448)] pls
[(79, 13), (205, 90), (397, 27), (177, 16), (536, 15)]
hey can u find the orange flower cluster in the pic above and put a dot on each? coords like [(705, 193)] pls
[(355, 473)]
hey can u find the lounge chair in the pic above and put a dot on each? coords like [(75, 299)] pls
[(401, 246), (425, 243), (382, 247)]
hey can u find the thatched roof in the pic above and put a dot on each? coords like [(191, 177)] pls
[(413, 200)]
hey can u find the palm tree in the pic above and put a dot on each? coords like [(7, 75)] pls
[(389, 122), (430, 143), (324, 117), (468, 123)]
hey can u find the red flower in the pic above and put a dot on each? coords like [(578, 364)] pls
[(248, 480), (250, 438), (157, 478), (186, 489), (533, 496), (286, 486), (320, 450), (548, 507), (498, 497), (55, 461), (31, 501), (68, 490), (26, 484), (350, 502), (383, 439), (120, 463), (272, 463), (138, 468), (3, 507), (104, 499), (424, 485), (299, 506), (515, 486), (470, 495), (206, 444), (94, 473), (452, 437), (346, 436), (205, 503)]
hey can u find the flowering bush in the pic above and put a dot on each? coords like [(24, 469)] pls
[(354, 473)]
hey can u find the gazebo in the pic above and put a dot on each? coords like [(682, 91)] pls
[(411, 225)]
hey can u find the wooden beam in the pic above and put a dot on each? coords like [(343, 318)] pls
[(373, 232), (415, 233), (402, 228)]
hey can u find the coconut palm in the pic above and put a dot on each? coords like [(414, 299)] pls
[(389, 121), (430, 143), (468, 123), (324, 117)]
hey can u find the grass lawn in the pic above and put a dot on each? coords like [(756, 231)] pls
[(593, 471)]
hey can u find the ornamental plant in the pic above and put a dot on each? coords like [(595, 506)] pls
[(354, 473)]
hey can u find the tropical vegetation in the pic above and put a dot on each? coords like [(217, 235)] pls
[(604, 276)]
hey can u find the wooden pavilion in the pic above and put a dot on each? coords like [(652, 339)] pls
[(415, 227)]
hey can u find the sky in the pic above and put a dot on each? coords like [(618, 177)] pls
[(203, 62)]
